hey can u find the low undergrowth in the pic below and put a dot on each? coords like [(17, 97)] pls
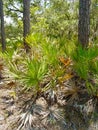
[(61, 73)]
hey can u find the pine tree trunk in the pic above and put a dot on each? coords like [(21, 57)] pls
[(84, 22), (2, 26), (26, 21)]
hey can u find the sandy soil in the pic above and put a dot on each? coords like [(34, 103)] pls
[(9, 110)]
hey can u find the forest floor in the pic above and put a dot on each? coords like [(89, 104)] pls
[(10, 107)]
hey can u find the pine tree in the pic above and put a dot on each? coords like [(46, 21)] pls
[(2, 26), (26, 21), (84, 22)]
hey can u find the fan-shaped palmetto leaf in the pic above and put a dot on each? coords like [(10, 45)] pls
[(37, 117), (28, 71), (92, 53), (50, 52), (34, 39), (30, 119), (83, 61), (13, 70), (36, 70)]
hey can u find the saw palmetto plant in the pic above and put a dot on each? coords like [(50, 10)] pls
[(36, 70), (38, 117), (30, 74), (30, 118), (86, 63), (51, 53), (83, 61), (30, 70)]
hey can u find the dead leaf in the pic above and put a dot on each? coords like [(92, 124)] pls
[(66, 77), (66, 62)]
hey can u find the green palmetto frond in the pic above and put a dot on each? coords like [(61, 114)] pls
[(28, 71), (36, 70), (50, 52), (13, 70), (86, 65), (83, 58), (7, 55)]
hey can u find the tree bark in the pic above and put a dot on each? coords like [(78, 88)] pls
[(26, 21), (84, 22), (3, 42)]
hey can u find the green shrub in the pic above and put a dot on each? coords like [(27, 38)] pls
[(85, 61), (85, 64)]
